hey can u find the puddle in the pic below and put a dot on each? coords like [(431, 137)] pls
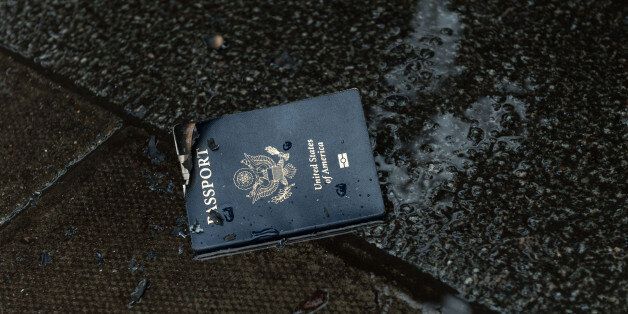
[(446, 147), (423, 172), (420, 62)]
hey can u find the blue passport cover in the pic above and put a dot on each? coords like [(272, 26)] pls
[(294, 171)]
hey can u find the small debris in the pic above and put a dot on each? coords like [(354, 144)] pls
[(45, 258), (216, 217), (140, 289), (317, 301), (181, 250), (156, 157), (230, 237), (215, 41), (100, 260)]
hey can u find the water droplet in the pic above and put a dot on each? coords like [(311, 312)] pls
[(228, 211), (341, 189), (287, 145)]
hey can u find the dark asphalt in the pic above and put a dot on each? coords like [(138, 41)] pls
[(499, 128)]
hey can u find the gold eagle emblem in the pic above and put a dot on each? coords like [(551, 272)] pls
[(263, 176)]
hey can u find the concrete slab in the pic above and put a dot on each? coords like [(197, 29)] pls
[(45, 130)]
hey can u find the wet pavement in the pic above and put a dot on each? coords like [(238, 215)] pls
[(499, 129)]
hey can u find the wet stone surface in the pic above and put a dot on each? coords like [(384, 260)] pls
[(505, 166), (499, 128), (122, 252), (44, 130), (159, 61)]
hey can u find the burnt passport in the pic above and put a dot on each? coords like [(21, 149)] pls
[(274, 176)]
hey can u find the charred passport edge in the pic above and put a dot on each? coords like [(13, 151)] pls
[(185, 135)]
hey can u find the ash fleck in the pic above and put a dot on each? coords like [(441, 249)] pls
[(100, 260), (230, 237), (45, 258), (181, 250), (315, 302), (156, 157), (140, 289)]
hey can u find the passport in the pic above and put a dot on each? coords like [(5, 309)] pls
[(274, 176)]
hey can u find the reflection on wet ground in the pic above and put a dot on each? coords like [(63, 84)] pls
[(479, 150), (422, 60)]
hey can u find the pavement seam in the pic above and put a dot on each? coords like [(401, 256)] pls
[(90, 99), (31, 201), (98, 101), (419, 286)]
